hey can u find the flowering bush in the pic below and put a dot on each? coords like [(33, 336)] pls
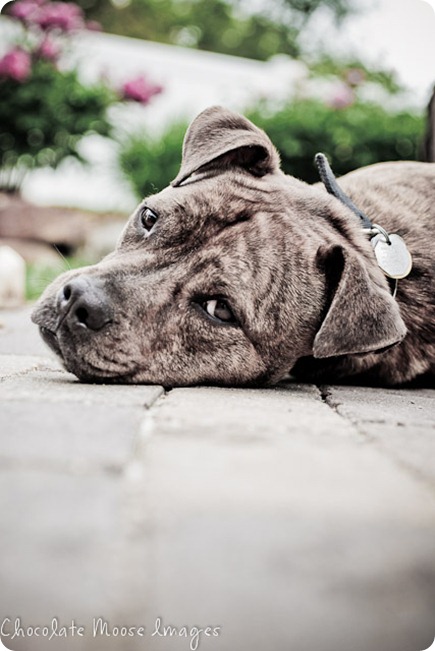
[(45, 108)]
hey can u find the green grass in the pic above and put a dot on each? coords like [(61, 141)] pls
[(41, 274)]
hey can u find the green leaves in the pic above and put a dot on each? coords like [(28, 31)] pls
[(361, 134), (43, 118), (151, 163)]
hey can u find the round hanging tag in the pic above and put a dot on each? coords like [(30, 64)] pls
[(393, 258)]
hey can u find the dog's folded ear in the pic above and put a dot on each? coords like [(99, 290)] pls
[(220, 139), (361, 314)]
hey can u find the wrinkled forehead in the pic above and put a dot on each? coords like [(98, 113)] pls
[(197, 204), (205, 270), (198, 210)]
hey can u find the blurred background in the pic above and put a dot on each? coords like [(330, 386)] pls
[(95, 97)]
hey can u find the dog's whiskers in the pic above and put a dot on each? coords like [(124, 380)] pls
[(66, 264)]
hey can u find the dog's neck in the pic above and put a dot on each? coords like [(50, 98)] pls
[(391, 252)]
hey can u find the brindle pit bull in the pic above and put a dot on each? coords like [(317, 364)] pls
[(237, 274)]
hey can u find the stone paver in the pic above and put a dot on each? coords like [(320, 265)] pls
[(399, 422), (17, 336), (297, 517), (43, 383)]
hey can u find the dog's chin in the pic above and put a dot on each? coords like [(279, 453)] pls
[(85, 372), (80, 368)]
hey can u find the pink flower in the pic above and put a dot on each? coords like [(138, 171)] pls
[(24, 10), (65, 16), (16, 64), (94, 26), (140, 90), (355, 76), (342, 97), (49, 50)]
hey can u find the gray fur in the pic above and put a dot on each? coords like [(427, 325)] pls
[(291, 260)]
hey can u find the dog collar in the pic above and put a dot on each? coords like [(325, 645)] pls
[(391, 252)]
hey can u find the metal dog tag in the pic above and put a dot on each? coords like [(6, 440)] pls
[(393, 257)]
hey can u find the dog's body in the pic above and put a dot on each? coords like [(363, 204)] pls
[(237, 274)]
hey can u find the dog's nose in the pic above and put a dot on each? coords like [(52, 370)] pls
[(82, 302)]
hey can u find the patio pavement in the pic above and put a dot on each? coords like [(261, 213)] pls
[(298, 518)]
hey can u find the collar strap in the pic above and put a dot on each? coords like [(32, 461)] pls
[(331, 185), (391, 252)]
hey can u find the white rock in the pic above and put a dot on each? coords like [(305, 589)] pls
[(12, 278)]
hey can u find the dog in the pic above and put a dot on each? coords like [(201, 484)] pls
[(237, 274)]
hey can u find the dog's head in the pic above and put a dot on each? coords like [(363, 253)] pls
[(228, 276)]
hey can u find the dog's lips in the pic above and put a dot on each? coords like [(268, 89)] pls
[(80, 367), (86, 371), (50, 338), (65, 342)]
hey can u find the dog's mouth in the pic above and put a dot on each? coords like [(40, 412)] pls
[(85, 370), (50, 338), (91, 354)]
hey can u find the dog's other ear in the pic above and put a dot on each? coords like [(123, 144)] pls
[(361, 316), (226, 139)]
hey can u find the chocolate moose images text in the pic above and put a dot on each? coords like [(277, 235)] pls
[(99, 627)]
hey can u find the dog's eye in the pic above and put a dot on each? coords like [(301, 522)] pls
[(148, 218), (219, 309)]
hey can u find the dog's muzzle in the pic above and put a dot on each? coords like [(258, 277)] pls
[(80, 308), (82, 303)]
